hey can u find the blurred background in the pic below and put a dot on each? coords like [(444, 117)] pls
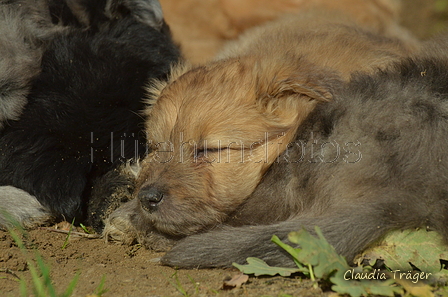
[(203, 27), (425, 17)]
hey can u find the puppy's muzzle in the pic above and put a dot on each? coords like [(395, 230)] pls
[(150, 197)]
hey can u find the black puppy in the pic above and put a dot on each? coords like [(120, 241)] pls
[(82, 116)]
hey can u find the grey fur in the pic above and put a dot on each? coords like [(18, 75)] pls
[(25, 27), (19, 207), (391, 173)]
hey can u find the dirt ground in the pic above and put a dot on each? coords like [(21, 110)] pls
[(134, 271), (128, 271)]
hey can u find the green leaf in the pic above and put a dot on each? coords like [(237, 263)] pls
[(318, 252), (364, 287), (259, 267), (100, 290), (64, 245), (421, 248), (385, 288), (71, 287), (85, 228), (292, 251), (326, 262), (342, 286), (45, 271)]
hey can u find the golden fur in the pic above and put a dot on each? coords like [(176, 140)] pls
[(215, 129), (203, 27)]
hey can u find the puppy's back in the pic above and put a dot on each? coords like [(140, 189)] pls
[(321, 38)]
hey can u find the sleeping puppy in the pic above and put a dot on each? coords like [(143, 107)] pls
[(370, 161), (219, 131), (82, 116), (203, 27)]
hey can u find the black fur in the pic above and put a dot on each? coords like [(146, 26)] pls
[(391, 173), (109, 192), (83, 116)]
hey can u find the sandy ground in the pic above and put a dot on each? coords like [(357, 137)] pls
[(134, 271), (128, 270)]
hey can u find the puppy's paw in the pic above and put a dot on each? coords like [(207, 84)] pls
[(18, 208), (109, 192), (128, 225), (120, 231), (119, 228), (155, 241)]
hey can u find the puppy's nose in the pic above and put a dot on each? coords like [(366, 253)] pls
[(149, 198)]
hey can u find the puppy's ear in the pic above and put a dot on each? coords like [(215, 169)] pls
[(287, 94), (145, 11)]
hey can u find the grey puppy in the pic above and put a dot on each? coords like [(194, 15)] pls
[(371, 161)]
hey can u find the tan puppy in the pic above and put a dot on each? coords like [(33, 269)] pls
[(216, 129), (203, 27)]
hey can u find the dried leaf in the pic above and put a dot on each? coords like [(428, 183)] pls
[(63, 226), (235, 282), (420, 290)]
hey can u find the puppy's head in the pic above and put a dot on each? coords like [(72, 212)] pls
[(214, 130)]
